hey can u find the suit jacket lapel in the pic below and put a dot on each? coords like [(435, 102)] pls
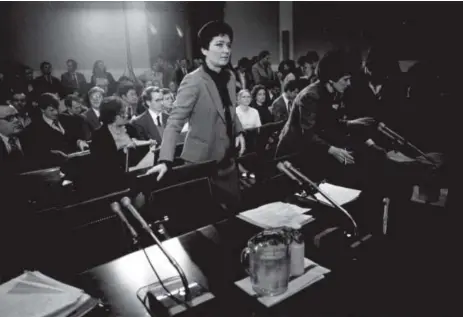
[(214, 92), (152, 128)]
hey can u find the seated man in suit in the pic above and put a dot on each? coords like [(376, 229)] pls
[(150, 125), (73, 82), (47, 138), (92, 115), (47, 82), (72, 117), (11, 152), (281, 107)]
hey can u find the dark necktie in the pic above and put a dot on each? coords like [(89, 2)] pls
[(290, 105), (15, 151), (57, 126), (158, 121)]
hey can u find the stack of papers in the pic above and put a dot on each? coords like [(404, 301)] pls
[(35, 295), (340, 195), (275, 215), (313, 273)]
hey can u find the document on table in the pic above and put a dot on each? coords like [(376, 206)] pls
[(35, 295), (339, 194), (275, 215)]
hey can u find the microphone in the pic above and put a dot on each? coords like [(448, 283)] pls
[(282, 168), (125, 201), (288, 166), (403, 142), (116, 208)]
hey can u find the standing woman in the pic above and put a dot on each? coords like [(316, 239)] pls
[(206, 99)]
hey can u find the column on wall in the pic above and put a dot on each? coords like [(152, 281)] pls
[(286, 40)]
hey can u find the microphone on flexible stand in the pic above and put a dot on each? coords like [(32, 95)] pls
[(290, 171), (116, 208), (391, 134), (194, 293)]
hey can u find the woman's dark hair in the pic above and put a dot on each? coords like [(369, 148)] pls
[(334, 65), (291, 67), (211, 30), (48, 100), (95, 66), (312, 57), (254, 92), (110, 108)]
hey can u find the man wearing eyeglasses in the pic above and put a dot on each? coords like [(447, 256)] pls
[(11, 153)]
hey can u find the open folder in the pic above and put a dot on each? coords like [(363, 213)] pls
[(33, 294)]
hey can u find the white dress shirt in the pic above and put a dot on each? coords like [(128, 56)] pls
[(155, 115)]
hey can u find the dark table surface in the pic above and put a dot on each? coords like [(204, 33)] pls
[(385, 278)]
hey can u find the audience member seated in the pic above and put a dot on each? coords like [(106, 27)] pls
[(168, 100), (102, 78), (243, 75), (110, 144), (281, 107), (19, 101), (249, 117), (261, 102), (73, 118), (286, 72), (47, 82), (73, 82), (155, 75), (11, 151), (307, 66), (181, 71), (128, 93), (262, 72), (173, 89), (150, 125), (47, 139), (92, 115)]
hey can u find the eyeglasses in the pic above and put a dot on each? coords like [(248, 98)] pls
[(10, 118), (159, 100)]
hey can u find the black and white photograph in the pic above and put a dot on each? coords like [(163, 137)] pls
[(229, 158)]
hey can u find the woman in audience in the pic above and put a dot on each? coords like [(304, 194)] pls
[(260, 101), (249, 117), (102, 78)]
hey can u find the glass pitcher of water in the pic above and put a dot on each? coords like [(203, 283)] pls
[(268, 257)]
